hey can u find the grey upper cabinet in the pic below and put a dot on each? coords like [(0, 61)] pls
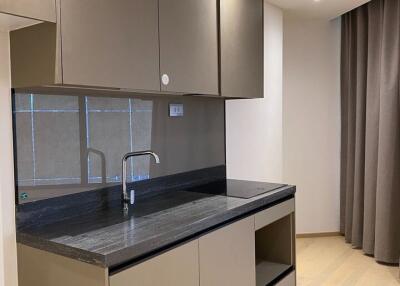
[(208, 47), (44, 10), (110, 44), (189, 46), (241, 48)]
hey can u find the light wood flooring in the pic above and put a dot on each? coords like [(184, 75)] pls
[(326, 261)]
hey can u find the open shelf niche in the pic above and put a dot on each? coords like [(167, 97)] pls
[(274, 251)]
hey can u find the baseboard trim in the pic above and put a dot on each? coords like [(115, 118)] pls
[(317, 234)]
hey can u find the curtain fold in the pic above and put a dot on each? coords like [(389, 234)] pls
[(370, 156)]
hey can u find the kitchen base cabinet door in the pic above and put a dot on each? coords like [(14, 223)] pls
[(177, 267), (227, 255), (41, 268), (289, 280)]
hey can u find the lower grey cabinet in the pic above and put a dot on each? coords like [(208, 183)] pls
[(177, 267), (289, 280), (227, 255), (223, 257), (41, 268), (256, 251)]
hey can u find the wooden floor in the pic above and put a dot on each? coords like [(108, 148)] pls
[(330, 261)]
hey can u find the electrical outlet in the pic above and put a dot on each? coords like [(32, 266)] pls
[(175, 109)]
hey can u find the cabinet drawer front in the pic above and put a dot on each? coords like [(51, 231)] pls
[(273, 214), (177, 267), (289, 280)]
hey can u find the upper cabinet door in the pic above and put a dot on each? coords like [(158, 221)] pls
[(44, 10), (189, 46), (110, 43), (242, 56)]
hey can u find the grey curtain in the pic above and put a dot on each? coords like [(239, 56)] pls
[(370, 154)]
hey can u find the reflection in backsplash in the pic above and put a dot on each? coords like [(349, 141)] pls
[(53, 140), (68, 144)]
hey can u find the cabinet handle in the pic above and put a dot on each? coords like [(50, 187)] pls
[(165, 79)]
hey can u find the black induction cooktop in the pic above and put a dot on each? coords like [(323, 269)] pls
[(236, 188)]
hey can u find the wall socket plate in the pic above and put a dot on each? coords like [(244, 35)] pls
[(175, 109)]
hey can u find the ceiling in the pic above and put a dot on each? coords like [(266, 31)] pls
[(324, 9), (9, 22)]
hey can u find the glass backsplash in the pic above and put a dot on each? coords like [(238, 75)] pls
[(66, 144)]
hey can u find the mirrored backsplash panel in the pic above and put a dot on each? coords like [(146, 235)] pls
[(67, 143)]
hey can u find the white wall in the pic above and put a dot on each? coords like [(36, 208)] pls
[(311, 120), (8, 254), (304, 148), (254, 127)]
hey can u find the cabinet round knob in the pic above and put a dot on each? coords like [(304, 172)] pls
[(165, 79)]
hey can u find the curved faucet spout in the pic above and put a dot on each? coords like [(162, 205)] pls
[(125, 196)]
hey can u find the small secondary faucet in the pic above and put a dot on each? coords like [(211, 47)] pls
[(130, 198)]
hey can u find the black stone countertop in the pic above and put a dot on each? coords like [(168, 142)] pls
[(98, 231)]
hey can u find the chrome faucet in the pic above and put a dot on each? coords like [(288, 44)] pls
[(130, 198)]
